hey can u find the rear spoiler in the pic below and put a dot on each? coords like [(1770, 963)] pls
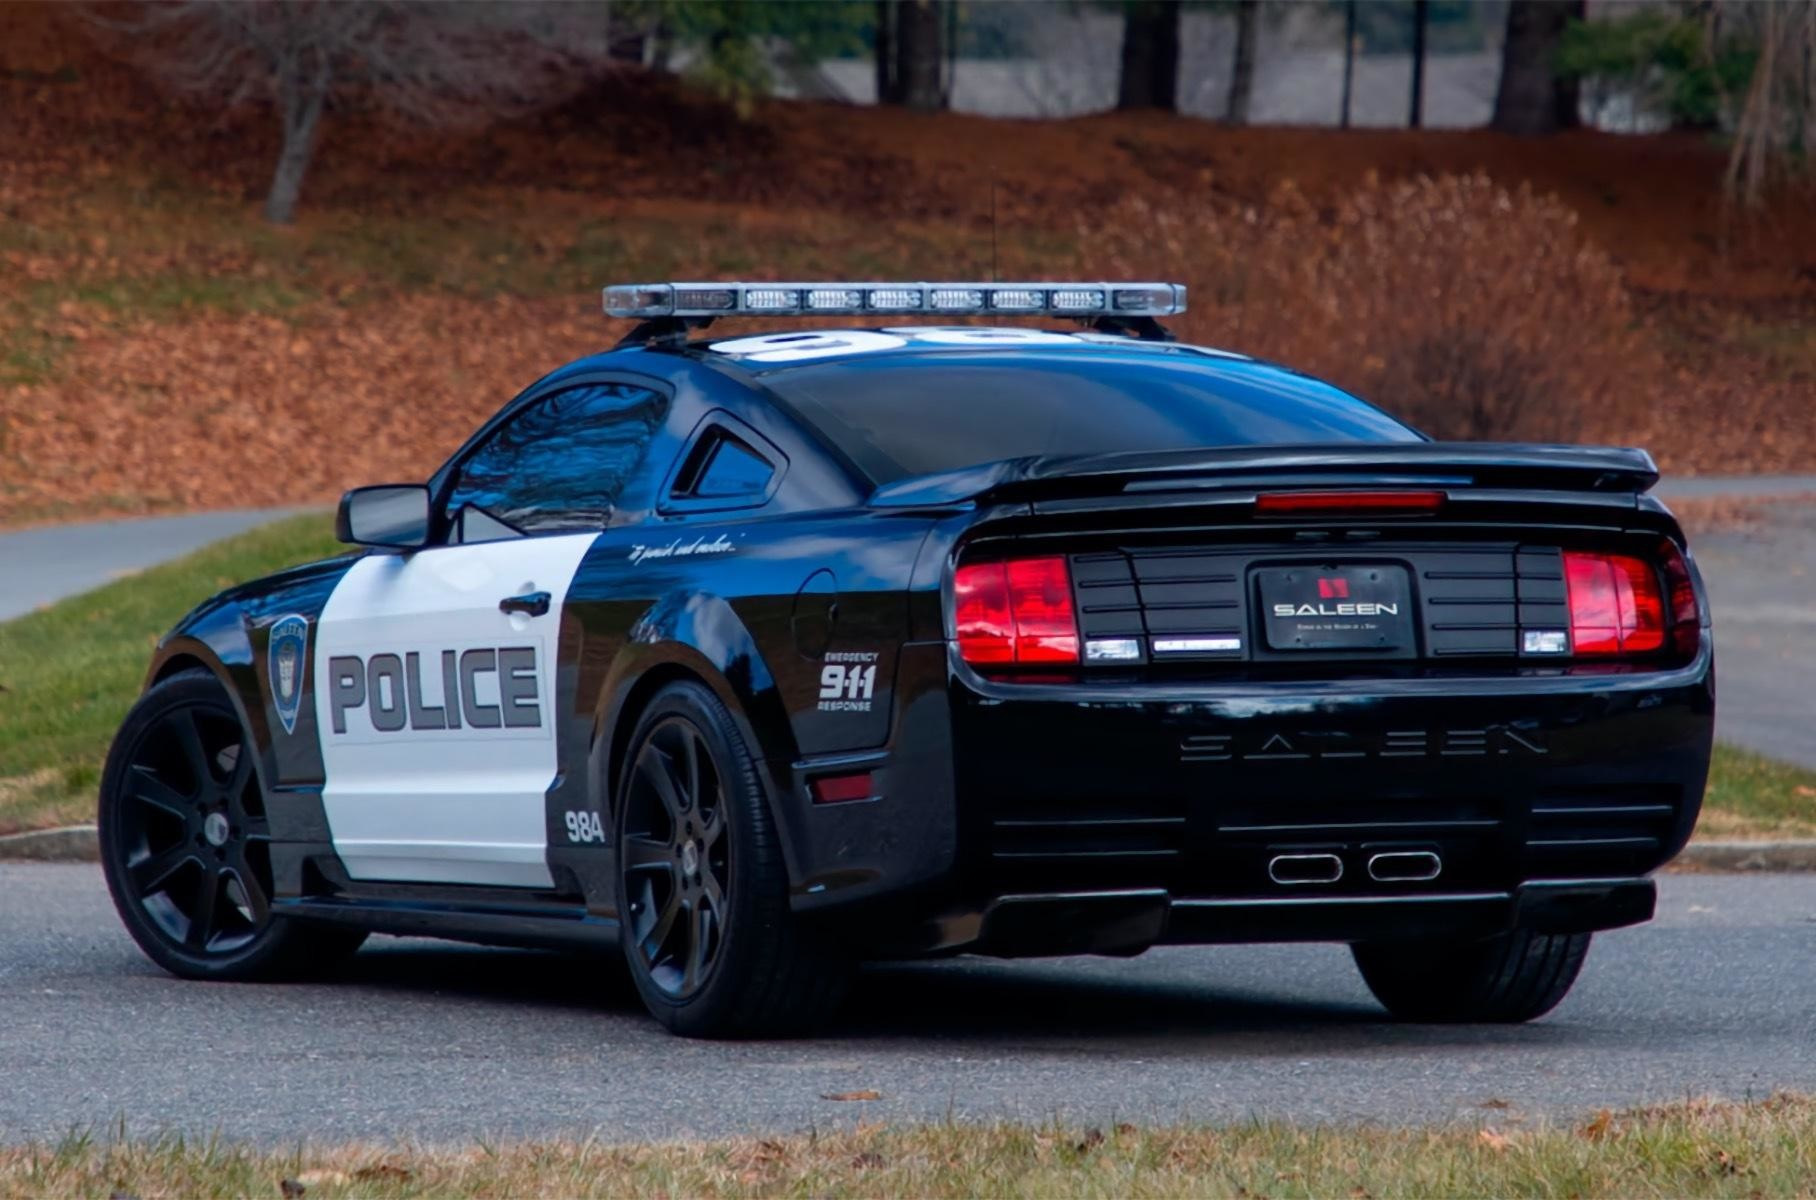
[(1251, 468)]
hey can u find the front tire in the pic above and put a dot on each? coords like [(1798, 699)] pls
[(707, 932), (186, 842), (1504, 980)]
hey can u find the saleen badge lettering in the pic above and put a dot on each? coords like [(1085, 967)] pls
[(848, 681), (481, 688), (682, 549), (284, 659), (1360, 608), (1304, 745)]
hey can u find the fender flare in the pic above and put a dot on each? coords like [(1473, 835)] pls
[(700, 636)]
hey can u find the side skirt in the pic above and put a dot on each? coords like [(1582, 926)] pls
[(533, 927)]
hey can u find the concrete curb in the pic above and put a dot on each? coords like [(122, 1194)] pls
[(1748, 856), (77, 843), (72, 843)]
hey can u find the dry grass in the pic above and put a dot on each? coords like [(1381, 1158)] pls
[(1694, 1149)]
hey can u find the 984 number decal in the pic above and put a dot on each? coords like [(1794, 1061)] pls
[(584, 826)]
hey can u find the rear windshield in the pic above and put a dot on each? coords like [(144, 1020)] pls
[(901, 416)]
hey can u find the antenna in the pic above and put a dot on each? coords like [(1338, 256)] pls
[(994, 278)]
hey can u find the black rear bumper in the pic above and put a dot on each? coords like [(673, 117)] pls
[(1128, 922)]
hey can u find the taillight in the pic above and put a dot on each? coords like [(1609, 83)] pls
[(1680, 594), (1019, 611), (1616, 605)]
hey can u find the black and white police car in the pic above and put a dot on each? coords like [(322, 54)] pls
[(755, 657)]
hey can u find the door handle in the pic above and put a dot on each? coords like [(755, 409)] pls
[(532, 604)]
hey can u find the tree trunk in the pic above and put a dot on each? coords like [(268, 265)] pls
[(1150, 55), (1421, 18), (302, 112), (888, 90), (1242, 74), (1531, 98), (1349, 60), (920, 44)]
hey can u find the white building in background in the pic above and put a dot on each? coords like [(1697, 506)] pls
[(1070, 54)]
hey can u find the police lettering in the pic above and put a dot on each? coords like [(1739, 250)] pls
[(390, 688)]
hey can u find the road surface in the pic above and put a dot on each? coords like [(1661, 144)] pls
[(430, 1041), (43, 565)]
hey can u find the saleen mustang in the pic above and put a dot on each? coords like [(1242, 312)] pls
[(758, 656)]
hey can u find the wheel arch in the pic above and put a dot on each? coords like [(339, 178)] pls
[(727, 663)]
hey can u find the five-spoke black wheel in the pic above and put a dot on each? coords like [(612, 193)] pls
[(186, 842), (702, 888), (676, 863)]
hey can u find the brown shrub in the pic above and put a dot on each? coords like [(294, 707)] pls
[(1471, 311)]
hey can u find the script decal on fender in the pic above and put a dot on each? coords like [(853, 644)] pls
[(284, 659), (680, 548)]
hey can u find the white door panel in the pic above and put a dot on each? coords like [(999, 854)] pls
[(437, 711)]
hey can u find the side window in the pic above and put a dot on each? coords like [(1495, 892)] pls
[(723, 471), (558, 465), (733, 470)]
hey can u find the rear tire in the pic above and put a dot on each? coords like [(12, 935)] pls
[(186, 843), (706, 928), (1503, 980)]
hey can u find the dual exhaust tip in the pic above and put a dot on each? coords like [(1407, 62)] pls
[(1388, 866)]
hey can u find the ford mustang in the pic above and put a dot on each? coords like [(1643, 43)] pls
[(754, 657)]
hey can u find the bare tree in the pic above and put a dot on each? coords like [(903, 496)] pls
[(1777, 122), (426, 61), (912, 42), (1242, 73), (1421, 21), (1532, 97), (1150, 55)]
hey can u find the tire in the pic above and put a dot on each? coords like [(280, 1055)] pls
[(712, 946), (185, 843), (1504, 980)]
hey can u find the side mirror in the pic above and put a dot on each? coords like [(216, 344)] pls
[(391, 515)]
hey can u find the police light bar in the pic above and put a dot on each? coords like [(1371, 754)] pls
[(1076, 300)]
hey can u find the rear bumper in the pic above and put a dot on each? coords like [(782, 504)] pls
[(1128, 922), (1155, 810)]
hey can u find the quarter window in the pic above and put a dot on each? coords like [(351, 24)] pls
[(561, 464), (732, 471)]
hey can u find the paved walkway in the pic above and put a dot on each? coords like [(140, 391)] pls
[(40, 566)]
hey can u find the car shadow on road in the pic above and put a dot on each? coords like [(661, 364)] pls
[(962, 1002)]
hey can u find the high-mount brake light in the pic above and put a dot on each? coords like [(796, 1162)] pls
[(1019, 611), (650, 301), (1336, 504), (1616, 605)]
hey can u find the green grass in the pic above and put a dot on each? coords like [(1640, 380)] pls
[(1693, 1149), (69, 672), (1752, 796)]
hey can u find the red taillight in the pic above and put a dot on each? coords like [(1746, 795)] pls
[(1616, 606), (1680, 593), (1018, 611), (1283, 504)]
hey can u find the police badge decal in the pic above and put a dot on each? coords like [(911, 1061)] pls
[(284, 667)]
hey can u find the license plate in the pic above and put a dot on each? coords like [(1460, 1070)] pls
[(1336, 608)]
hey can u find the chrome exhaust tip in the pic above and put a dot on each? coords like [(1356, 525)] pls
[(1404, 866), (1305, 868)]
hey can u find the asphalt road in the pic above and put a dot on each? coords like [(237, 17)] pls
[(46, 564), (1760, 581), (428, 1041)]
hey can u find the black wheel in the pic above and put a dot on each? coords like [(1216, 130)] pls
[(186, 845), (1512, 978), (702, 889)]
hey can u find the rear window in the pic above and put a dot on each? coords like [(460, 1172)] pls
[(901, 416)]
